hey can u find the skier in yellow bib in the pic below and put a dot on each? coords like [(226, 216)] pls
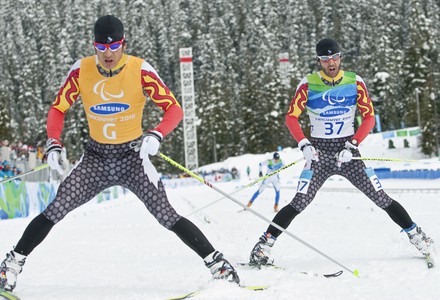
[(114, 87)]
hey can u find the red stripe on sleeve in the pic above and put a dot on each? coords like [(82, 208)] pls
[(171, 118), (55, 123), (366, 110), (294, 127), (365, 128)]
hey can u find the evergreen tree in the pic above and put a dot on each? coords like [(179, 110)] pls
[(240, 95), (5, 121), (418, 69)]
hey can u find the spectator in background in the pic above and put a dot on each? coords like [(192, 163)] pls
[(7, 171), (13, 152), (16, 171), (234, 173), (5, 153), (40, 153), (22, 151)]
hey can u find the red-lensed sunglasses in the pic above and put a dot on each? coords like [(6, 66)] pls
[(326, 58), (113, 46)]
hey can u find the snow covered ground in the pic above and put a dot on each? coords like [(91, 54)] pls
[(117, 250)]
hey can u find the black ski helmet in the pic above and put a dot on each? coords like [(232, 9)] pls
[(327, 47), (108, 29), (276, 155)]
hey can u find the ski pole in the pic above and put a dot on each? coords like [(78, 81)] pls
[(25, 173), (393, 159), (248, 185), (194, 175)]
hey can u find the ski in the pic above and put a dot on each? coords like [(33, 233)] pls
[(255, 266), (272, 266), (195, 293), (7, 295), (185, 296), (429, 261)]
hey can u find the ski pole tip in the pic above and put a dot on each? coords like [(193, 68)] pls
[(356, 273)]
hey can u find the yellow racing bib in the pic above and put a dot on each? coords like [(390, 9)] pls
[(113, 105)]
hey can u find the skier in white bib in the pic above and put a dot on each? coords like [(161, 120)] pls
[(271, 165), (331, 98)]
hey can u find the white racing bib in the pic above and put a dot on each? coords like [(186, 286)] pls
[(333, 127), (304, 181), (332, 109)]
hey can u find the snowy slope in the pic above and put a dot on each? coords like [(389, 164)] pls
[(117, 250)]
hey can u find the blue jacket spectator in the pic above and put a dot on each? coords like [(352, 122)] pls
[(7, 170)]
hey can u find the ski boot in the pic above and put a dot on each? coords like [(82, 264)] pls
[(9, 270), (220, 267), (275, 208), (260, 254), (419, 239)]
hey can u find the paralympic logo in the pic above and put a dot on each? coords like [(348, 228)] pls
[(99, 87), (331, 100)]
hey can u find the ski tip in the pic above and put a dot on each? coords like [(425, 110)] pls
[(255, 287), (185, 296), (356, 273), (8, 295), (429, 261)]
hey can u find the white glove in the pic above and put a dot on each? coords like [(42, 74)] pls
[(346, 155), (308, 150), (56, 156), (150, 146)]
